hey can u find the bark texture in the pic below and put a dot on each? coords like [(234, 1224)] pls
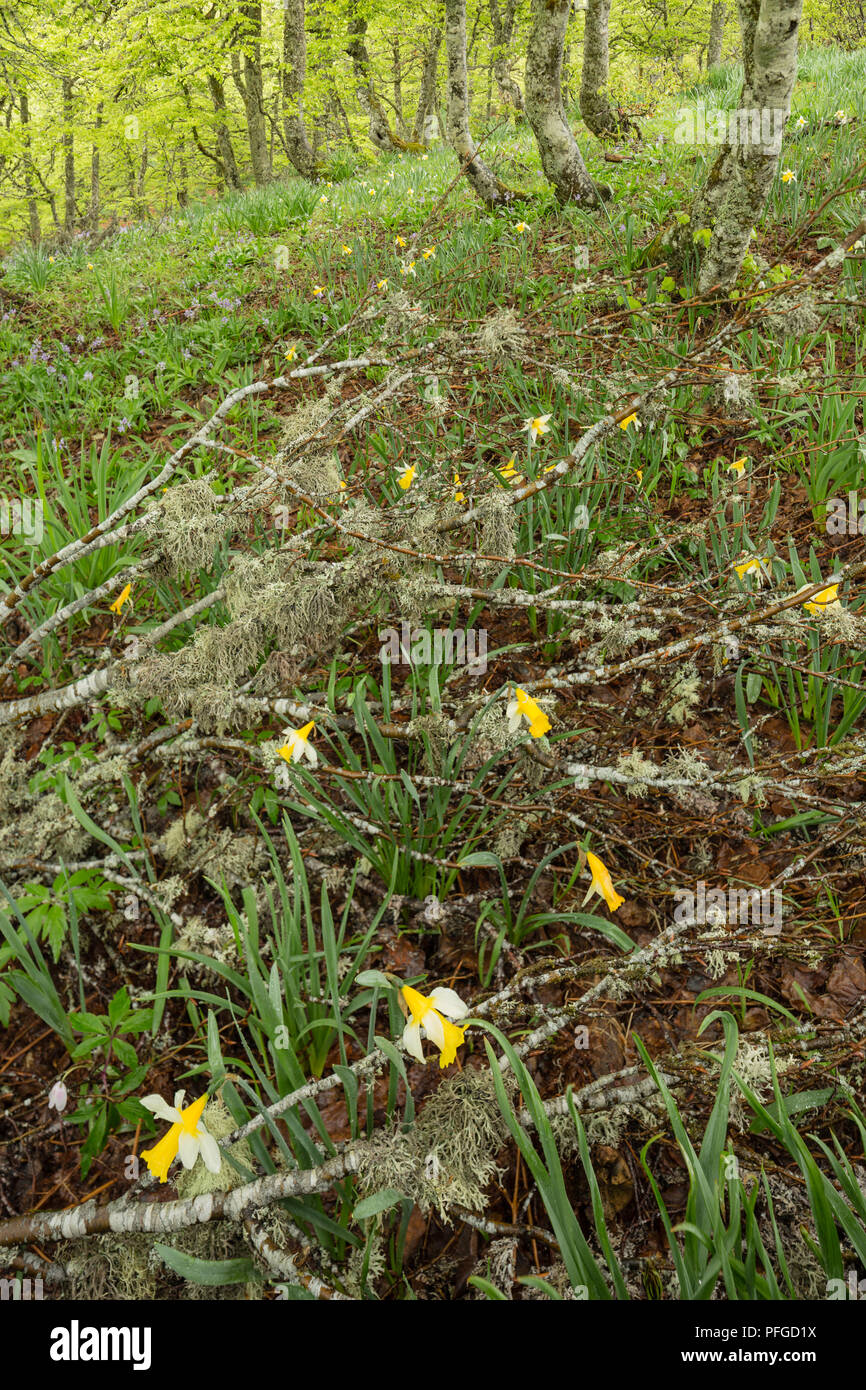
[(770, 35), (503, 33), (490, 190), (223, 137), (68, 158), (597, 112), (427, 97), (561, 159), (298, 146), (251, 88), (718, 17)]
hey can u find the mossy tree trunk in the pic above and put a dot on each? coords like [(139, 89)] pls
[(770, 34), (68, 142), (503, 33), (378, 125), (718, 16), (490, 190), (427, 97), (561, 159), (294, 76), (597, 112), (228, 163), (251, 89)]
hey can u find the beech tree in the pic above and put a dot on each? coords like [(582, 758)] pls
[(595, 108), (740, 179), (561, 159)]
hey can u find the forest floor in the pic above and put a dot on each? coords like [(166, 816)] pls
[(187, 908)]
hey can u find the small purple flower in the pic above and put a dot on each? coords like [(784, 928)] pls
[(123, 426), (88, 376)]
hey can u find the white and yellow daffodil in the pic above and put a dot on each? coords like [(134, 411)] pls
[(630, 420), (431, 1016), (407, 477), (755, 566), (537, 426), (298, 746), (601, 883), (187, 1137), (522, 706), (738, 466)]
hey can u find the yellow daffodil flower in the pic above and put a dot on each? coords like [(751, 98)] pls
[(90, 265), (756, 566), (347, 250), (601, 883), (509, 471), (291, 354), (318, 291), (429, 254), (458, 496), (298, 746), (408, 269), (187, 1137), (537, 427), (789, 176), (638, 472), (432, 1014), (841, 117), (406, 478), (824, 599), (522, 227), (399, 241), (738, 466), (122, 598), (522, 706), (630, 420), (381, 284), (550, 467)]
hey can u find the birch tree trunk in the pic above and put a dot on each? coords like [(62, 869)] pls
[(298, 146), (503, 32), (596, 110), (561, 159), (484, 182), (427, 98), (770, 33), (717, 33)]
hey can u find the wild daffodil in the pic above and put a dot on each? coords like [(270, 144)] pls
[(537, 426), (738, 466), (509, 471), (755, 566), (824, 599), (406, 478), (122, 598), (298, 746), (630, 420), (522, 706), (788, 176), (431, 1015), (187, 1137), (601, 883)]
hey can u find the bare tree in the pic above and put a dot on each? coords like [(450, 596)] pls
[(503, 33), (490, 190), (561, 159), (595, 108), (740, 180), (718, 17), (294, 76)]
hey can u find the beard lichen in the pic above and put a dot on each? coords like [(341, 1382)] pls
[(447, 1159)]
